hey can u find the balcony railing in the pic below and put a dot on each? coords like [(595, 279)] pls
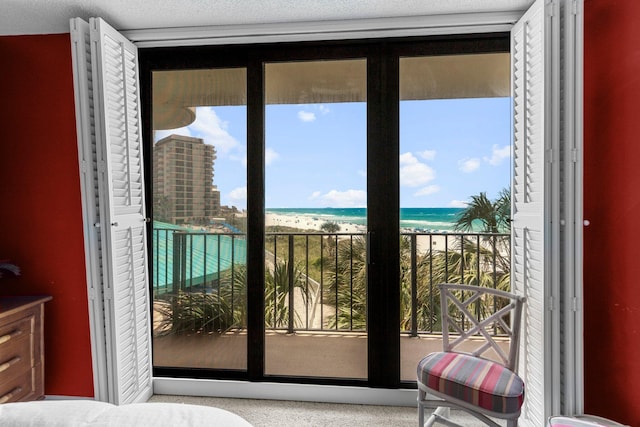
[(317, 281)]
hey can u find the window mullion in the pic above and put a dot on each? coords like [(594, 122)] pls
[(255, 218), (383, 296)]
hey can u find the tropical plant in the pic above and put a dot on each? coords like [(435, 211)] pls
[(472, 264), (330, 227), (216, 309), (479, 261), (276, 294), (223, 306), (194, 313), (503, 209), (347, 280), (493, 215), (428, 295)]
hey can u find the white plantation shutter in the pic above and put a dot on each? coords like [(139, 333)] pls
[(87, 156), (572, 350), (535, 218), (119, 142), (110, 154)]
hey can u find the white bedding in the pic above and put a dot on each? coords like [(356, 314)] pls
[(77, 413)]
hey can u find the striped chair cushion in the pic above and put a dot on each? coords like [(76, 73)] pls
[(479, 382)]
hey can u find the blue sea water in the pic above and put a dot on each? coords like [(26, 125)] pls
[(421, 219)]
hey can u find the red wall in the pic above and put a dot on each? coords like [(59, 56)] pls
[(40, 205), (612, 204), (42, 225)]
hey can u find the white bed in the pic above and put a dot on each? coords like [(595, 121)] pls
[(77, 413)]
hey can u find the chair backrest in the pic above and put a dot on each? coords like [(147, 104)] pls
[(490, 316)]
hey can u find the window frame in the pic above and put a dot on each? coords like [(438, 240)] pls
[(383, 105)]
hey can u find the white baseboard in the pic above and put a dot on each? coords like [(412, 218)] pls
[(285, 391), (59, 397)]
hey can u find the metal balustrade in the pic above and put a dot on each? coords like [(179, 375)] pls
[(316, 281)]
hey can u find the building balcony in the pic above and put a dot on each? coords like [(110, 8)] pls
[(200, 310)]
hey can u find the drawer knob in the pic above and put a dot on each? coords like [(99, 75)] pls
[(12, 334), (6, 365), (7, 397)]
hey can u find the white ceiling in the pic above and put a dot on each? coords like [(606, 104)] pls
[(52, 16)]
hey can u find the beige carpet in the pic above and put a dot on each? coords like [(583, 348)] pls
[(268, 413)]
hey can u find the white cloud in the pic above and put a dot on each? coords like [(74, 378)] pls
[(414, 173), (428, 154), (343, 199), (469, 165), (160, 134), (238, 196), (324, 109), (242, 160), (270, 155), (498, 154), (430, 189), (458, 204), (213, 130), (314, 195), (306, 116), (207, 126)]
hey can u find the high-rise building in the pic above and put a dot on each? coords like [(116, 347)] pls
[(183, 190)]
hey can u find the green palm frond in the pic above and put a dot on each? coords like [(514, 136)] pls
[(494, 216), (276, 294)]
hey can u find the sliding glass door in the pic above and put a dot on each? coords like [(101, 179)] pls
[(199, 245), (316, 218), (454, 187), (311, 156)]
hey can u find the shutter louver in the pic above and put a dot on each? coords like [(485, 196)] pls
[(122, 208)]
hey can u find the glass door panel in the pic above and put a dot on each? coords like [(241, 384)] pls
[(199, 218), (454, 149), (315, 242)]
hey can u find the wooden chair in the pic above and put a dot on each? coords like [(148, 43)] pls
[(476, 372)]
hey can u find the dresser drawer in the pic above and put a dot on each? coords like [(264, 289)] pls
[(18, 388), (24, 325), (16, 355)]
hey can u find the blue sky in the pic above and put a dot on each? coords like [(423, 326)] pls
[(316, 153)]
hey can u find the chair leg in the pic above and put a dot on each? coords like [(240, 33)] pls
[(441, 416), (444, 411), (512, 423), (421, 396)]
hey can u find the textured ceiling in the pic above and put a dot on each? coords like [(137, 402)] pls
[(52, 16)]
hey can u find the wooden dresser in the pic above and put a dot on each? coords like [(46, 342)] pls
[(21, 348)]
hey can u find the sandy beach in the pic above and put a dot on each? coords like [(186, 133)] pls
[(305, 223)]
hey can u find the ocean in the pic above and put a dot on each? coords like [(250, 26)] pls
[(419, 219)]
